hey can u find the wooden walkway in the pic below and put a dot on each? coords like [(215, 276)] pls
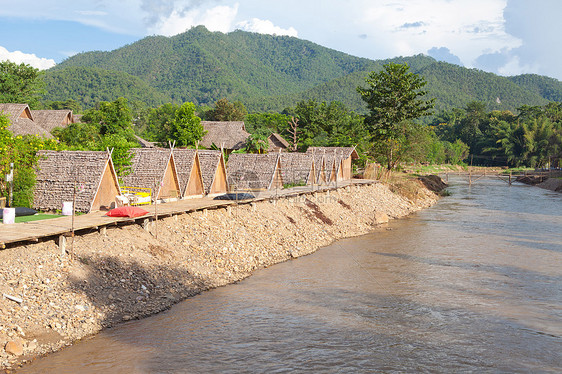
[(22, 233)]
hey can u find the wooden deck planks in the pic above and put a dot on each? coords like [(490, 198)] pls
[(32, 231)]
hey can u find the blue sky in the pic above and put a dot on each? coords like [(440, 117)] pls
[(506, 37)]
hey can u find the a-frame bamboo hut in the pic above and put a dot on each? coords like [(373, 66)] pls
[(248, 171), (91, 173), (189, 173), (22, 121), (297, 168), (50, 119), (154, 169), (345, 155), (213, 170)]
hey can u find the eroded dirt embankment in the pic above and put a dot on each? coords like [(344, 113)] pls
[(129, 273)]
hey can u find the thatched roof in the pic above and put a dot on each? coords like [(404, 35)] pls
[(49, 119), (185, 160), (277, 142), (343, 152), (332, 161), (210, 161), (148, 167), (319, 167), (297, 168), (59, 172), (21, 120), (252, 171), (225, 134)]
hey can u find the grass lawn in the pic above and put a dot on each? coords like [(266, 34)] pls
[(36, 217)]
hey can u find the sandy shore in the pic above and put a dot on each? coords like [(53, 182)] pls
[(130, 273)]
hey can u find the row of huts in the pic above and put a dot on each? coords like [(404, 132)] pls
[(162, 174)]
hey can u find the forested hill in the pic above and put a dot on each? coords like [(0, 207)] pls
[(267, 73)]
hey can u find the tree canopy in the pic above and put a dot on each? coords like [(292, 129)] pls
[(394, 97), (20, 83)]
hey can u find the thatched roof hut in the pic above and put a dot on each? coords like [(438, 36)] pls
[(213, 169), (154, 168), (254, 171), (22, 121), (297, 168), (49, 119), (276, 143), (343, 157), (189, 172), (90, 172), (229, 135)]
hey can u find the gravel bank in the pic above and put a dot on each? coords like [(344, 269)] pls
[(129, 273)]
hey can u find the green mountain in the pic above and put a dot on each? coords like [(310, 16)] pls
[(267, 73)]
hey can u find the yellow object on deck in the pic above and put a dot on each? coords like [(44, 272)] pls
[(138, 195)]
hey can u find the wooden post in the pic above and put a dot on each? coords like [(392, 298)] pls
[(145, 224), (103, 230), (62, 245), (510, 178)]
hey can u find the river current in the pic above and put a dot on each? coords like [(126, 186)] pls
[(473, 284)]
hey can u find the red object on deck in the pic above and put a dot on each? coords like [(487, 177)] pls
[(126, 211)]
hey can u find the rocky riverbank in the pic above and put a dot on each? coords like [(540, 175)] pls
[(129, 272)]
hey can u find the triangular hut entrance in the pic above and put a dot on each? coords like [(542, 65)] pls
[(297, 169), (213, 170), (154, 169), (254, 171), (91, 173), (189, 172)]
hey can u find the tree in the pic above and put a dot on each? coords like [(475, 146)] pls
[(294, 131), (20, 83), (187, 128), (257, 143), (111, 117), (394, 98), (160, 120), (227, 111)]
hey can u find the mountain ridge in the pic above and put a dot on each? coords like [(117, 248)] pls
[(269, 73)]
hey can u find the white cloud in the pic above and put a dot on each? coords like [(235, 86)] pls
[(514, 67), (31, 59), (219, 18), (468, 28), (265, 27)]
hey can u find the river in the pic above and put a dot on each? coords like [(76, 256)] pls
[(471, 284)]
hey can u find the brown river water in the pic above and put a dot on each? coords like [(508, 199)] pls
[(473, 284)]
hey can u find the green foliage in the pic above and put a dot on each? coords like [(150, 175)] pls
[(257, 143), (268, 73), (160, 123), (532, 138), (227, 111), (20, 83), (21, 151), (327, 124), (111, 117), (187, 128), (267, 123), (394, 97), (109, 127), (24, 183), (88, 86), (69, 104)]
